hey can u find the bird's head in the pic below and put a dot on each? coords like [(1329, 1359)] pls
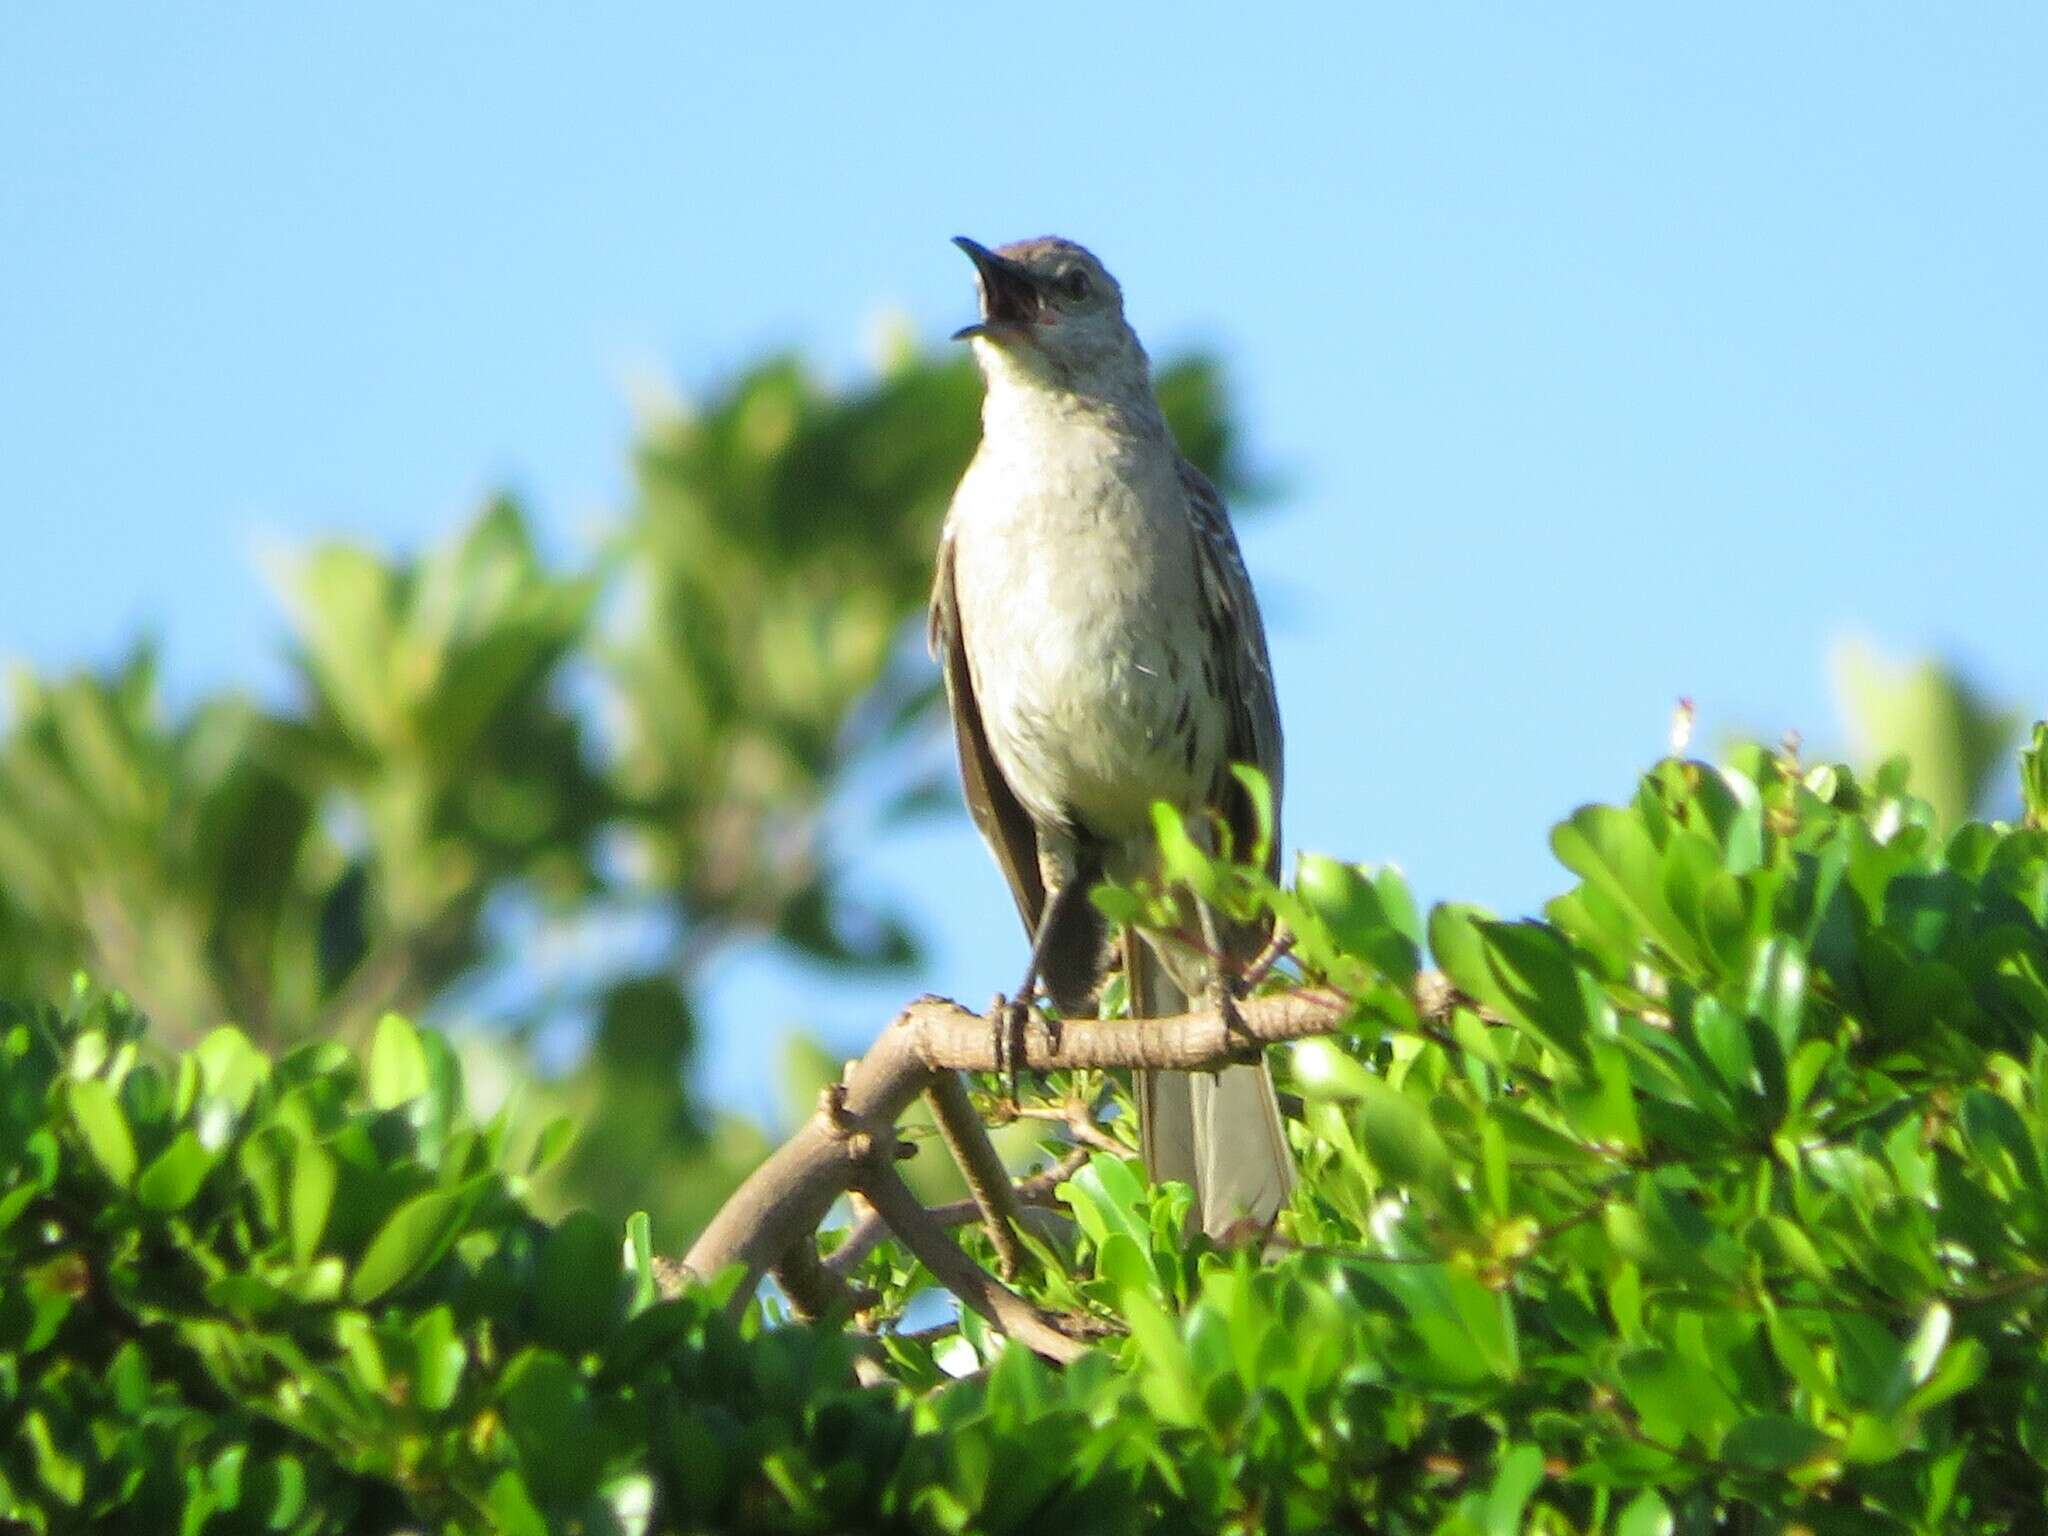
[(1052, 315)]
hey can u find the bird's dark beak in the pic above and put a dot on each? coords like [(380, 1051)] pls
[(1009, 294)]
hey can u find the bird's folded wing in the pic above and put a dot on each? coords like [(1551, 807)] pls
[(1237, 640), (1004, 823)]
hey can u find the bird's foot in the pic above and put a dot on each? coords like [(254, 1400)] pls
[(1009, 1019), (1223, 996)]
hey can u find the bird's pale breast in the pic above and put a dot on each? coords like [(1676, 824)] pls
[(1074, 554)]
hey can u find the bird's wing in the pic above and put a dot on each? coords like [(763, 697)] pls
[(1237, 643), (1004, 823)]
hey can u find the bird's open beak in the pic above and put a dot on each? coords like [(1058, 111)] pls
[(1009, 294)]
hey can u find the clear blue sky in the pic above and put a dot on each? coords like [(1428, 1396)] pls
[(1606, 356)]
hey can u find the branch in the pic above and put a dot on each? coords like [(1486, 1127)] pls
[(815, 1291), (786, 1198), (947, 1036), (1036, 1191), (976, 1287), (988, 1181)]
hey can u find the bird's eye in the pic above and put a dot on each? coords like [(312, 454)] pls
[(1075, 284)]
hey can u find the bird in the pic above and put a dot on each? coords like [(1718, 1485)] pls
[(1102, 650)]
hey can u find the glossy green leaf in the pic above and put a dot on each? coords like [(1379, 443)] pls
[(1349, 905), (174, 1175), (439, 1356), (314, 1179), (96, 1114), (414, 1237)]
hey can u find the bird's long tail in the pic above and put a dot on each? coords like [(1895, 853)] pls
[(1220, 1133)]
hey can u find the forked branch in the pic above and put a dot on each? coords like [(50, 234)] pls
[(850, 1143)]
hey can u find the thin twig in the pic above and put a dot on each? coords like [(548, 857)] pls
[(1079, 1123), (1278, 947)]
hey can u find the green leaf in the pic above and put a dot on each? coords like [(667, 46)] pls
[(398, 1064), (639, 1249), (2034, 778), (1611, 850), (1735, 810), (1117, 904), (1771, 1442), (1922, 1353), (1777, 991), (314, 1180), (1962, 1366), (1668, 1397), (1349, 906), (1868, 1361), (1454, 939), (1105, 1196), (97, 1115), (439, 1356), (631, 1499), (578, 1282), (1539, 987), (555, 1139), (1646, 1515), (1182, 861), (231, 1067), (1168, 1380), (59, 1471), (1601, 1107), (1524, 972), (1323, 1069), (1929, 714), (411, 1239), (1402, 1141), (547, 1409), (1122, 1262), (2000, 1140), (513, 1512), (1520, 1474), (1800, 1361), (174, 1175)]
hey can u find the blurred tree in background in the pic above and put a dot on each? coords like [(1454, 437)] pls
[(647, 743)]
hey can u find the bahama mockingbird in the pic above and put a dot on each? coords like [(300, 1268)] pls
[(1102, 650)]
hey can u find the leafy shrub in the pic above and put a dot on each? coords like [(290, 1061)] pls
[(1717, 1198)]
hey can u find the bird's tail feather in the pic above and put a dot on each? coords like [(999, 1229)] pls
[(1220, 1132)]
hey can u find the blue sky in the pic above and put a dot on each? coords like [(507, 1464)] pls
[(1606, 355)]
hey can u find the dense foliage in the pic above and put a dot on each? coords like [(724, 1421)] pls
[(1717, 1198)]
